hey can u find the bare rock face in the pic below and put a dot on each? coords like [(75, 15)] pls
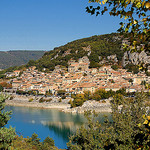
[(84, 59), (112, 58), (135, 58), (88, 48), (108, 59)]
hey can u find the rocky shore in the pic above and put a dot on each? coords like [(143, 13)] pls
[(55, 103)]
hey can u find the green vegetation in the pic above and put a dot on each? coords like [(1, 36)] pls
[(48, 93), (101, 94), (31, 99), (103, 45), (136, 23), (79, 99), (115, 67), (1, 88), (132, 68), (7, 135), (42, 100), (61, 92), (130, 128), (17, 58)]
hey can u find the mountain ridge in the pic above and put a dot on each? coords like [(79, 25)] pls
[(18, 57)]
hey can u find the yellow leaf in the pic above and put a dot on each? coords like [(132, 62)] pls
[(138, 5), (135, 22), (143, 3), (104, 1), (147, 5), (148, 117), (134, 42), (145, 122), (143, 116), (126, 17)]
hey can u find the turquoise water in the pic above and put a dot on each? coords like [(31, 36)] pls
[(46, 122)]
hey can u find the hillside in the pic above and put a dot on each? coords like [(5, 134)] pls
[(97, 48), (17, 58)]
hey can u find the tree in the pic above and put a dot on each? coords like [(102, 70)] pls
[(1, 88), (137, 20), (49, 141), (61, 92), (7, 135), (87, 95), (115, 67), (129, 129)]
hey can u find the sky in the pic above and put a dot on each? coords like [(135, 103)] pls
[(46, 24)]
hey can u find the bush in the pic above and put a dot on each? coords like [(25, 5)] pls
[(63, 97), (70, 102), (20, 92), (49, 141), (11, 98), (31, 99), (77, 102), (1, 88), (41, 100), (103, 101), (48, 100), (61, 92), (60, 100), (115, 67)]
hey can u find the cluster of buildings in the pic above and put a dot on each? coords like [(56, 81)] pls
[(79, 78)]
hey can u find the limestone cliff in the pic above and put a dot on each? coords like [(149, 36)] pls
[(136, 58)]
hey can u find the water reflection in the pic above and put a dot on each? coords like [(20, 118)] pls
[(44, 122)]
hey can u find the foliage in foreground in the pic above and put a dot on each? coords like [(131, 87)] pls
[(9, 139), (130, 128), (7, 135), (137, 20)]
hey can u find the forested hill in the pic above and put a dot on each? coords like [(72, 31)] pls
[(97, 48), (17, 58)]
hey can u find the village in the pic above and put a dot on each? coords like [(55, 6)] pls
[(78, 78)]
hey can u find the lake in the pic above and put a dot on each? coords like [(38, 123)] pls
[(46, 122)]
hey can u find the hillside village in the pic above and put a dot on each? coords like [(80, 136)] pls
[(78, 78)]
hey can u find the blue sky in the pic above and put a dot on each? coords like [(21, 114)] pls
[(45, 24)]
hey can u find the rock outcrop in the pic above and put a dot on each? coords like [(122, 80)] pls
[(135, 58)]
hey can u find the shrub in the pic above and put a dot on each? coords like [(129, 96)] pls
[(115, 67), (11, 98), (63, 97), (60, 100), (103, 101), (129, 130), (70, 102), (49, 141), (41, 100), (48, 100), (77, 102), (31, 99)]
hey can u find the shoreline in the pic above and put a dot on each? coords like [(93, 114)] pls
[(60, 106), (23, 101), (37, 105)]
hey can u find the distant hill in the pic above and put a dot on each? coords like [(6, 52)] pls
[(17, 58)]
